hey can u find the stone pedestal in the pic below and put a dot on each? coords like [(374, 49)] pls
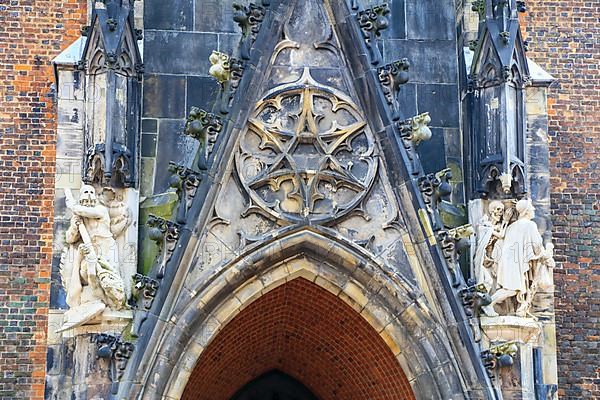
[(109, 322), (516, 382)]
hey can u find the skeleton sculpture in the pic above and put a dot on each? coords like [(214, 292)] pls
[(90, 265), (511, 260)]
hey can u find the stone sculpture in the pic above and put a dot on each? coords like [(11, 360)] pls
[(511, 260), (90, 266)]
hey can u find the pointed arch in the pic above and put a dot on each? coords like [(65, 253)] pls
[(396, 310)]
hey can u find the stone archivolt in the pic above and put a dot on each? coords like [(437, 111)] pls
[(307, 154)]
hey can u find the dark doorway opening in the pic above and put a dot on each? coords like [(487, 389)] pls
[(274, 385)]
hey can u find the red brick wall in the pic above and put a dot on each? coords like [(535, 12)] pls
[(31, 34), (311, 335), (564, 38)]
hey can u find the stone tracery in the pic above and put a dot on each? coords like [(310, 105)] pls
[(307, 153)]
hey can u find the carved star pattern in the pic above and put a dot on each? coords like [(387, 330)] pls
[(308, 171)]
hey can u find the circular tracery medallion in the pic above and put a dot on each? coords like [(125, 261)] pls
[(306, 154)]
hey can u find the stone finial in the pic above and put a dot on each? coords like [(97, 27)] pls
[(228, 72), (416, 129), (145, 290), (453, 242), (473, 297)]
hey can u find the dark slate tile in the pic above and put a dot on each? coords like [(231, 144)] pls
[(453, 142), (148, 145), (149, 125), (441, 101), (174, 146), (430, 19), (178, 52), (163, 96), (229, 43), (215, 16), (397, 28), (431, 152), (172, 15), (407, 99), (430, 61), (201, 92)]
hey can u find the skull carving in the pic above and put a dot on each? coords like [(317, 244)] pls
[(87, 196), (496, 209)]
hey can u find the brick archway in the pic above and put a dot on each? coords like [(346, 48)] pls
[(308, 333)]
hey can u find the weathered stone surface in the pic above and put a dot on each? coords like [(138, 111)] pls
[(173, 15), (430, 20), (168, 48), (162, 96), (202, 92), (174, 146)]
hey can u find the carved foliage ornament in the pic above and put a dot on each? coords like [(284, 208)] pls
[(228, 72), (372, 21), (499, 356), (392, 76), (453, 243), (307, 154), (116, 350), (204, 127), (185, 182), (145, 288), (249, 19), (165, 234)]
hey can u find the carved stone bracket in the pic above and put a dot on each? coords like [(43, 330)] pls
[(435, 188), (499, 356), (116, 351), (145, 289), (479, 7), (372, 21), (392, 76), (165, 234), (473, 297), (453, 243), (118, 174), (417, 128), (185, 182), (412, 132), (228, 72), (204, 127), (249, 18)]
